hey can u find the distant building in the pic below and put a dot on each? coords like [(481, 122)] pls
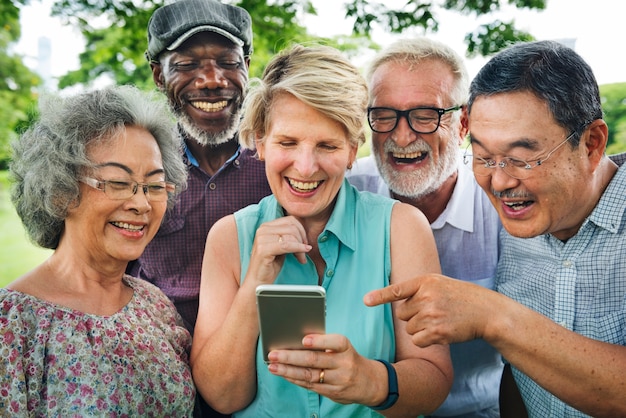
[(44, 62)]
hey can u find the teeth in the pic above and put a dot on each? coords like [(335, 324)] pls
[(128, 226), (210, 107), (407, 156), (299, 185), (516, 205)]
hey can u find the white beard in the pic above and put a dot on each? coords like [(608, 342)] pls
[(205, 138), (423, 181)]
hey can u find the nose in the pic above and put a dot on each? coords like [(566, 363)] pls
[(211, 76), (501, 180), (403, 135), (306, 162), (139, 201)]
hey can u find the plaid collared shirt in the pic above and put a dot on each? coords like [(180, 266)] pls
[(579, 284)]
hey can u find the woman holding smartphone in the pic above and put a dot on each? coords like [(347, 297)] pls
[(305, 119)]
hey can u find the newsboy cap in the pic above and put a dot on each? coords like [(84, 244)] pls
[(173, 24)]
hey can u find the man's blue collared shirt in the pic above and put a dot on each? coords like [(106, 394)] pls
[(579, 284)]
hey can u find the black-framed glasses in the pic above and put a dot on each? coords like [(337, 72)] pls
[(514, 167), (120, 189), (423, 120)]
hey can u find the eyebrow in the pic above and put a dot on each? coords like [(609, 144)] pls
[(524, 143), (128, 170)]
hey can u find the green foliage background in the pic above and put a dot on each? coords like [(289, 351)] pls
[(17, 254), (17, 82)]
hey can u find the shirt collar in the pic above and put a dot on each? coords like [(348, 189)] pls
[(460, 209), (345, 208), (611, 207), (192, 160)]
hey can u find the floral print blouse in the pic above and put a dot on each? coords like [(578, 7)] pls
[(55, 361)]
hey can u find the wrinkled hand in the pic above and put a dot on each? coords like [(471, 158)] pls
[(272, 241), (347, 376), (438, 309)]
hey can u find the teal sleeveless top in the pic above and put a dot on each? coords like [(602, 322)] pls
[(355, 247)]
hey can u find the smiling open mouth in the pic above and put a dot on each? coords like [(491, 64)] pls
[(518, 205), (302, 186), (208, 106), (128, 227), (408, 157)]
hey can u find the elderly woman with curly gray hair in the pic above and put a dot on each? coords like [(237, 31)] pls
[(93, 179)]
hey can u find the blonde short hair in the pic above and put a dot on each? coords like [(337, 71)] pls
[(319, 76)]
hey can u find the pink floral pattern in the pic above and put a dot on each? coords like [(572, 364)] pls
[(55, 361)]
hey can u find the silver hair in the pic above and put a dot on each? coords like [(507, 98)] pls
[(49, 157), (413, 51)]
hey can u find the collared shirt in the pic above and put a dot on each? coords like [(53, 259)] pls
[(466, 234), (579, 284), (352, 270), (173, 259)]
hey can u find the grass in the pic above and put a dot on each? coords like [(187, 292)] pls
[(17, 254)]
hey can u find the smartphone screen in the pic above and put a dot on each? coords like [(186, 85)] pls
[(289, 312)]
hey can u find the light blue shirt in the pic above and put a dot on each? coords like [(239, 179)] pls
[(579, 284), (466, 234), (356, 248)]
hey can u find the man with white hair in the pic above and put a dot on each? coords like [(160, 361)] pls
[(418, 91)]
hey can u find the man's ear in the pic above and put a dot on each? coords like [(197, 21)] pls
[(595, 142), (463, 125), (157, 74)]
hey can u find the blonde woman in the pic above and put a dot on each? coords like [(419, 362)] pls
[(305, 119)]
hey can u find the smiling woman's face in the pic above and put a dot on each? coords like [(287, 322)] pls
[(306, 155), (108, 229)]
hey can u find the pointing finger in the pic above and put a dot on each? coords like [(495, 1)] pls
[(392, 292)]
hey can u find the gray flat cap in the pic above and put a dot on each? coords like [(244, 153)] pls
[(173, 24)]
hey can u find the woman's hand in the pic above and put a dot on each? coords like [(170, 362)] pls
[(330, 366), (272, 241)]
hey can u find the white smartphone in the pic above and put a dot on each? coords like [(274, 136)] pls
[(287, 313)]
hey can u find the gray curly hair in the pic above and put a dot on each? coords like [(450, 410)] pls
[(49, 157)]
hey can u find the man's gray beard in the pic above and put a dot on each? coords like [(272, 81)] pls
[(420, 182), (207, 138)]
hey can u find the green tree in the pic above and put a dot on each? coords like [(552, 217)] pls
[(115, 49), (17, 82), (614, 105), (115, 45), (485, 40)]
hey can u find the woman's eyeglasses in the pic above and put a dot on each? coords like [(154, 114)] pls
[(156, 191)]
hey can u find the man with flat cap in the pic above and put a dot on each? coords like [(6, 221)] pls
[(199, 52)]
